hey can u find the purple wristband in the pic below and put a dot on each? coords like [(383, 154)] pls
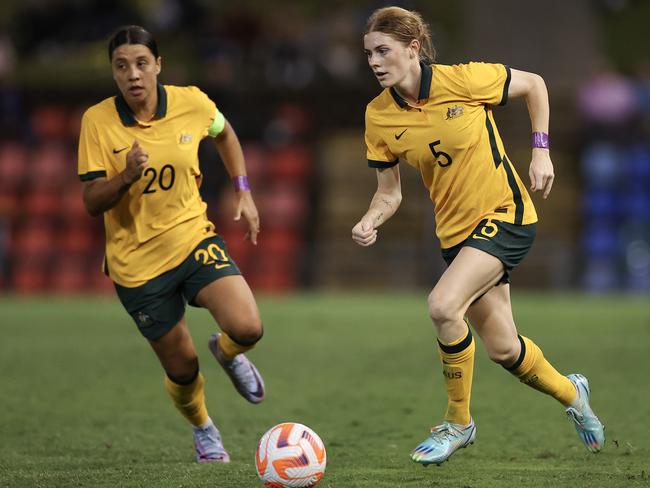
[(540, 139), (241, 183)]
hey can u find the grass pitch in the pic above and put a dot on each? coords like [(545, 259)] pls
[(83, 402)]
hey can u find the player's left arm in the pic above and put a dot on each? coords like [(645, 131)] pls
[(232, 156), (532, 87)]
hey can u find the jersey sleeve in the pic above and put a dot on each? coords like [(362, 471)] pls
[(214, 119), (487, 83), (90, 162), (377, 151)]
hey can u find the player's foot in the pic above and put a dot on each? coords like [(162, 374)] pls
[(208, 445), (590, 429), (242, 372), (444, 440)]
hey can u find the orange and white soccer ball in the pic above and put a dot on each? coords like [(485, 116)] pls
[(290, 455)]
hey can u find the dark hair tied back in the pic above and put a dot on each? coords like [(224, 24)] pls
[(132, 34)]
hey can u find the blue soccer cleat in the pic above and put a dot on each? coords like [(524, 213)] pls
[(590, 429), (208, 445), (243, 374), (444, 440)]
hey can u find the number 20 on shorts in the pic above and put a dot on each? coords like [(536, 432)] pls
[(213, 254)]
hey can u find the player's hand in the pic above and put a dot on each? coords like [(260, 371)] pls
[(246, 207), (541, 172), (136, 162), (364, 233)]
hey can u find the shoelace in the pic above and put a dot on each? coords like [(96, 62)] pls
[(576, 416), (204, 436), (446, 431), (208, 443)]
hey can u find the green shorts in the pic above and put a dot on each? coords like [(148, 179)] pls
[(507, 242), (159, 304)]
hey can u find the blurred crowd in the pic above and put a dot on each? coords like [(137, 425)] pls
[(285, 74), (615, 166)]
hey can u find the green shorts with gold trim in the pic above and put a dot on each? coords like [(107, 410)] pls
[(159, 304), (507, 242)]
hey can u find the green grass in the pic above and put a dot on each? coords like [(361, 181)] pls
[(83, 402)]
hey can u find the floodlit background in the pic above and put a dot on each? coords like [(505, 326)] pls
[(292, 79)]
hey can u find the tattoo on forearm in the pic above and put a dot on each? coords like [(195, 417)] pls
[(384, 208)]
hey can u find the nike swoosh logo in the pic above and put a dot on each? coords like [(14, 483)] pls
[(474, 236), (115, 151), (259, 390), (397, 137)]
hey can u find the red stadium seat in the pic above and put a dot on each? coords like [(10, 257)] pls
[(9, 203), (42, 204), (75, 239), (284, 206), (277, 262), (32, 242), (28, 277), (50, 122), (291, 162), (99, 282), (50, 166), (72, 205), (13, 164), (256, 162), (69, 275)]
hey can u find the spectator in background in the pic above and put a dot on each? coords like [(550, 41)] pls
[(139, 167)]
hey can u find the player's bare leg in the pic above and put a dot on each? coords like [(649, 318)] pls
[(471, 274), (184, 383), (176, 353), (491, 317), (231, 303)]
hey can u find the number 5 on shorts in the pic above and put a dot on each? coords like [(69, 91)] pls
[(488, 230)]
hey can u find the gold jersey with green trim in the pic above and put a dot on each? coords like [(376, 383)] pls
[(162, 217), (450, 136)]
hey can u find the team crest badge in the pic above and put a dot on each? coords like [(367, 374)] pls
[(144, 320), (454, 112), (185, 138)]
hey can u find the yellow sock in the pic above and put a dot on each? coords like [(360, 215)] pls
[(533, 369), (230, 348), (458, 368), (189, 400)]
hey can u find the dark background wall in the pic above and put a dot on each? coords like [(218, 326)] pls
[(292, 79)]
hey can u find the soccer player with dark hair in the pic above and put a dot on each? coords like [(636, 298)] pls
[(138, 161), (439, 119)]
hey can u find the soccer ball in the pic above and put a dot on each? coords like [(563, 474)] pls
[(290, 455)]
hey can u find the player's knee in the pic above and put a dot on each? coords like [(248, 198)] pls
[(183, 372), (247, 330), (249, 336), (443, 309)]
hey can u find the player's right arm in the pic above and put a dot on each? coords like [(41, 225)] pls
[(384, 204), (102, 194)]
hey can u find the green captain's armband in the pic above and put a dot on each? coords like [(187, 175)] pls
[(217, 125)]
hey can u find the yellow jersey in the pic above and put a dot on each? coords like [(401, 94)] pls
[(162, 217), (451, 138)]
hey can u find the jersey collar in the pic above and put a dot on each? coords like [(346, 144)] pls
[(126, 114), (425, 86)]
